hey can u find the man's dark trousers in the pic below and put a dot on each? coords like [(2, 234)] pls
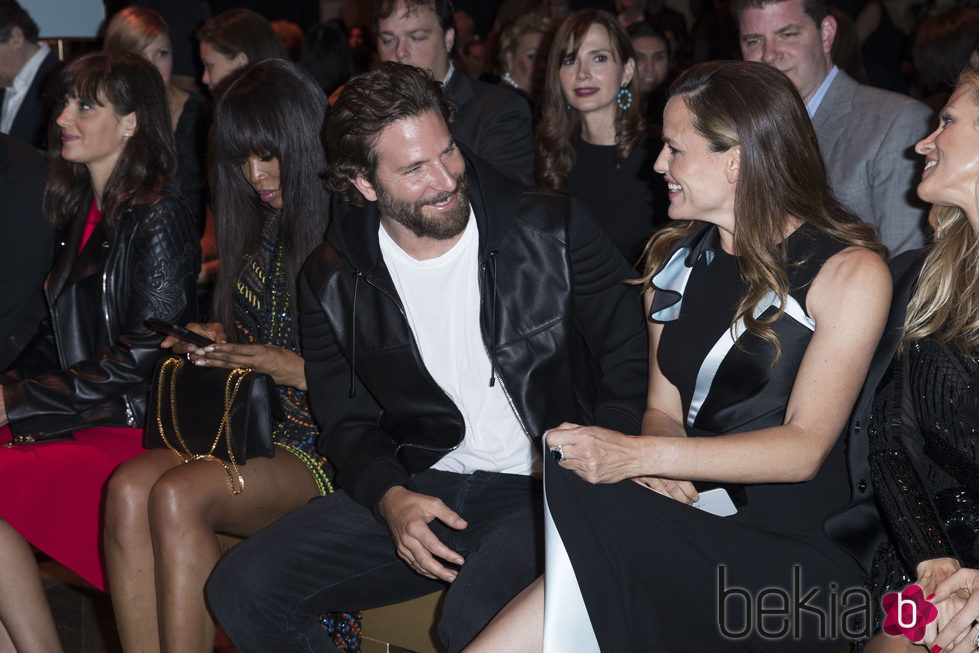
[(341, 559)]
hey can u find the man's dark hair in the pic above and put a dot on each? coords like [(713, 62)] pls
[(815, 9), (13, 15), (442, 8), (368, 103)]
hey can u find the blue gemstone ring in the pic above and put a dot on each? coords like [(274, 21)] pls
[(557, 453)]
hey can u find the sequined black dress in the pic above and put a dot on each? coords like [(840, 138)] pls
[(925, 463)]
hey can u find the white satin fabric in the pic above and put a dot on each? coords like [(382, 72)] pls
[(566, 623)]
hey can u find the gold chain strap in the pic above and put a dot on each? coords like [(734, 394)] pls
[(231, 386)]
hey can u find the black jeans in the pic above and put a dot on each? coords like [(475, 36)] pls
[(332, 555)]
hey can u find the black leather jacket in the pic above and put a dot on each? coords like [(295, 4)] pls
[(565, 335), (93, 362)]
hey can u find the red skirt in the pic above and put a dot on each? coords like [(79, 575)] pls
[(52, 493)]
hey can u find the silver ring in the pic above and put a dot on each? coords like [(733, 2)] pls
[(975, 640), (187, 355), (557, 453)]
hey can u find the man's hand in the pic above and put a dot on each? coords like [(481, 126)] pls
[(407, 515)]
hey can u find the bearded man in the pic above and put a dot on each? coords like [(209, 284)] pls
[(450, 319)]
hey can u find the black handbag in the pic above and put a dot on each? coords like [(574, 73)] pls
[(210, 413)]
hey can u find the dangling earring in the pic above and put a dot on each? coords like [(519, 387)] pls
[(624, 98), (567, 105)]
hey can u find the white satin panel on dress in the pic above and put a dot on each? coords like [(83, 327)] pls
[(567, 626)]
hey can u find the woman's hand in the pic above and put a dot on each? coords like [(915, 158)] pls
[(286, 367), (957, 600), (682, 491), (212, 330), (595, 454), (602, 456), (934, 571)]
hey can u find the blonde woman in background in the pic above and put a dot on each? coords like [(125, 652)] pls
[(144, 32)]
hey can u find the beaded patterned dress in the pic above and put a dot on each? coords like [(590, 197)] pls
[(262, 312), (925, 463)]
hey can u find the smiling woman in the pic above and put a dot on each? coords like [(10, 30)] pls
[(924, 464), (764, 301)]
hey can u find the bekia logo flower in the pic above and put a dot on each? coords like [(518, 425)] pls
[(908, 613)]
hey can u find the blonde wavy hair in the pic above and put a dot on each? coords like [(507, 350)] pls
[(945, 302)]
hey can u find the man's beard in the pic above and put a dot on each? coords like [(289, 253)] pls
[(411, 215)]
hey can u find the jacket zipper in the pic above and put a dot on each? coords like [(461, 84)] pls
[(130, 412), (492, 360), (418, 356)]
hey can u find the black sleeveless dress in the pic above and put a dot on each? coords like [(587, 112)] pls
[(659, 575)]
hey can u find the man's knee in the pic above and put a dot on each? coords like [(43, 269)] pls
[(239, 588)]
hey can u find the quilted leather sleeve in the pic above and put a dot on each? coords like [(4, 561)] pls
[(151, 271)]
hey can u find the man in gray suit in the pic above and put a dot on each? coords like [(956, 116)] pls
[(865, 134), (492, 121)]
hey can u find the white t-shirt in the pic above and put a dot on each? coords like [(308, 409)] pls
[(441, 300)]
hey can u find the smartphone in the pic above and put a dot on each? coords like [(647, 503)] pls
[(716, 501), (170, 329)]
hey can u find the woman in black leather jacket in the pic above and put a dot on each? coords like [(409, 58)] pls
[(130, 252)]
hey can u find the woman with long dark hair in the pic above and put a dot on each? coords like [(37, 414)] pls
[(271, 209), (766, 300), (75, 401), (591, 137)]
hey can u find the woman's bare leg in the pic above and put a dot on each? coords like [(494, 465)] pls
[(518, 627), (129, 548), (187, 506), (25, 615)]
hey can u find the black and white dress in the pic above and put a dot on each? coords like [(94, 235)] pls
[(659, 575)]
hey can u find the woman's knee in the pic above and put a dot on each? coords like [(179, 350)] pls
[(127, 494), (178, 498)]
